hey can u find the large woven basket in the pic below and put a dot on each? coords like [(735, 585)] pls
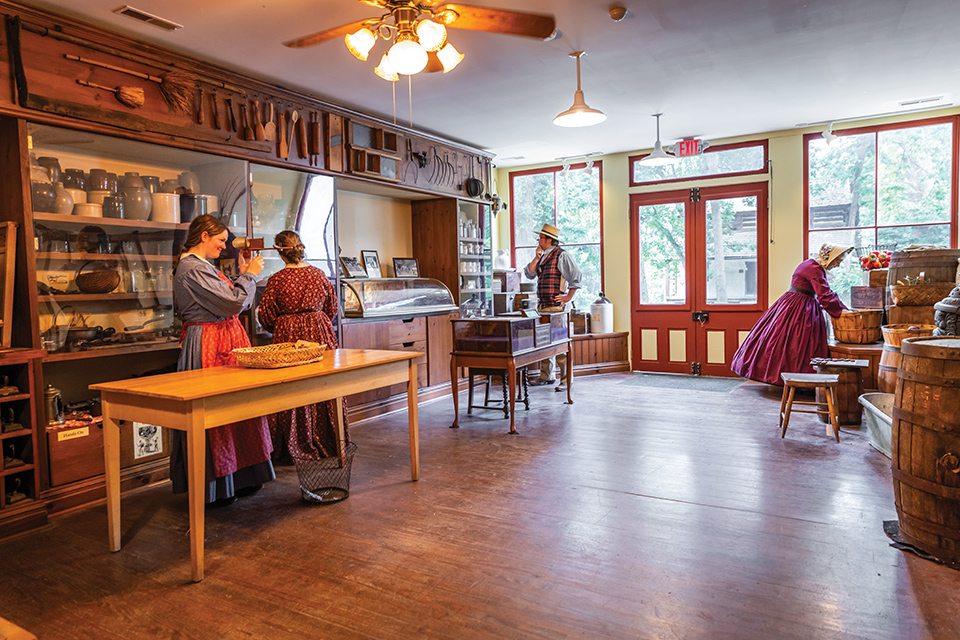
[(283, 354), (920, 295), (103, 280), (894, 334), (857, 326)]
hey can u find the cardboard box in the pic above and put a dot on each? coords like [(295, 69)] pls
[(875, 278), (866, 297), (509, 280)]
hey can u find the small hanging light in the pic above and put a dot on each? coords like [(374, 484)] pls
[(830, 137), (385, 71), (579, 115), (360, 42), (658, 156)]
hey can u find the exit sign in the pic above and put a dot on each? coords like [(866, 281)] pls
[(689, 148)]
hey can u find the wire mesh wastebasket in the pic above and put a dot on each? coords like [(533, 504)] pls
[(324, 480)]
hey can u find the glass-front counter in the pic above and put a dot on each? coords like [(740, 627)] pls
[(386, 297)]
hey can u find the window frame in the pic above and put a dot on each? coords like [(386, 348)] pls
[(876, 129), (598, 168), (712, 149)]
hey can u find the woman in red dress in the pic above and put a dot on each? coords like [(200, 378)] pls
[(298, 304), (792, 331)]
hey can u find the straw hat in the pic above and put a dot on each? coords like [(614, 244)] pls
[(550, 231), (830, 252)]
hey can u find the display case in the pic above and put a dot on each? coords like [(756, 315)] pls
[(508, 335), (107, 235), (559, 322), (394, 297)]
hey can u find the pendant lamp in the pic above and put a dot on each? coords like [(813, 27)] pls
[(658, 156), (579, 115)]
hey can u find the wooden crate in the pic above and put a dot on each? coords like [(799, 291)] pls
[(909, 315), (875, 278), (866, 297)]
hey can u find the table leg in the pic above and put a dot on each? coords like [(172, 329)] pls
[(196, 482), (341, 436), (512, 380), (569, 371), (456, 396), (111, 460), (412, 419)]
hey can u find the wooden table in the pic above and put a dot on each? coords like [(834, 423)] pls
[(508, 362), (194, 401)]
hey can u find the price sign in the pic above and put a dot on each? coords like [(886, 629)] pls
[(689, 148)]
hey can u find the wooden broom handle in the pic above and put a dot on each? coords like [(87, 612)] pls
[(138, 74)]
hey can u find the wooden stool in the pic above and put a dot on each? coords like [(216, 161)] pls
[(826, 381), (522, 395)]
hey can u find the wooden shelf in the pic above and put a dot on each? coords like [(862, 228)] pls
[(106, 257), (99, 352), (472, 256), (474, 290), (477, 240), (15, 434), (16, 396), (93, 297), (107, 222), (16, 470)]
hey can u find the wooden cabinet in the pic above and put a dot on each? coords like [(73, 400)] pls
[(20, 465), (451, 241)]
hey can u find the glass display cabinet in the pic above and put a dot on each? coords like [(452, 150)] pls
[(475, 260), (394, 297), (501, 335)]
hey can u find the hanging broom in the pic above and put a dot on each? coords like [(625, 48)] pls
[(127, 96), (177, 87)]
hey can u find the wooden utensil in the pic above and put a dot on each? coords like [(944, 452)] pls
[(270, 129), (233, 118), (258, 132), (282, 150), (294, 117), (216, 110), (247, 129), (301, 138), (199, 105), (313, 141)]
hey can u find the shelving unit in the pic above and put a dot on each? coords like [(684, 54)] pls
[(19, 467)]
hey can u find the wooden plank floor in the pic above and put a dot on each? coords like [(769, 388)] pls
[(634, 513)]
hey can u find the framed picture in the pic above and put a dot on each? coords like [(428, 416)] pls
[(406, 268), (372, 263), (352, 267)]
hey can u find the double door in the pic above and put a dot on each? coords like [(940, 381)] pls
[(698, 276)]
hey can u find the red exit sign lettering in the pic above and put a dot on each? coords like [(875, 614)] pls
[(689, 148)]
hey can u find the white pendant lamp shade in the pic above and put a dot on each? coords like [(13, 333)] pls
[(432, 36), (579, 115), (449, 57), (385, 71), (360, 43), (658, 156), (406, 56)]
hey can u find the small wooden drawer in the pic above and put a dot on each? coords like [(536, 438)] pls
[(413, 345), (414, 329)]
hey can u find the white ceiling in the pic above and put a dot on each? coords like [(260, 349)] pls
[(715, 68)]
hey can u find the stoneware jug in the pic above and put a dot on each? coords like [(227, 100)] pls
[(136, 203), (64, 202)]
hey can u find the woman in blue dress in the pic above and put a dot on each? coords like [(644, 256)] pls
[(238, 454)]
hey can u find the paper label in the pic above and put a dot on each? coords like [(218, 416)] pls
[(70, 434), (147, 440)]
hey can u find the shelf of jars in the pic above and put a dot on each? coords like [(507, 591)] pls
[(107, 222)]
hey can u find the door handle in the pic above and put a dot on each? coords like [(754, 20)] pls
[(701, 316)]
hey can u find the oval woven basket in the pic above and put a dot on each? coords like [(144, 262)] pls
[(857, 326), (103, 280), (894, 334), (283, 354)]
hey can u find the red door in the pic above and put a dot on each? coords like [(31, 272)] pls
[(699, 276)]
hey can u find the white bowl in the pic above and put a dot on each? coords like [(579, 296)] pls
[(91, 209), (79, 195)]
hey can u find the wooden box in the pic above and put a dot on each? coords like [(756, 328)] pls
[(503, 303), (581, 322), (866, 297), (909, 315), (509, 280), (875, 278), (77, 453)]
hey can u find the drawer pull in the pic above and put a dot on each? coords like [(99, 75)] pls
[(407, 345), (408, 320)]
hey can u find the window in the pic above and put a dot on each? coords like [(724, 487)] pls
[(888, 187), (572, 203), (723, 160)]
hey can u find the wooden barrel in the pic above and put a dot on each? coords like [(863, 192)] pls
[(859, 326), (937, 265), (925, 447), (893, 335), (849, 409)]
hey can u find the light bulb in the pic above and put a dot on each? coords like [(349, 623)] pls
[(407, 56), (432, 36), (360, 43)]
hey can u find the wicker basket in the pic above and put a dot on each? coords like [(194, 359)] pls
[(103, 280), (894, 334), (859, 326), (283, 354), (920, 295)]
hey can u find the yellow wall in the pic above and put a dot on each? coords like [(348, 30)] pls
[(785, 188), (374, 222)]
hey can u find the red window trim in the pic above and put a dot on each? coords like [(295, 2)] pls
[(713, 149), (598, 167), (908, 124)]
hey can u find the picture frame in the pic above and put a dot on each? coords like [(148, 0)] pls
[(371, 262), (352, 267), (406, 268)]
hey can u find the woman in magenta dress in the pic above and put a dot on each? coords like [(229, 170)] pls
[(792, 330), (298, 304)]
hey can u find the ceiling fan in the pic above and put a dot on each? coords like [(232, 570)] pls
[(418, 32)]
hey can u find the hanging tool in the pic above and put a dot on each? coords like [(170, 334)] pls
[(199, 105), (302, 138), (282, 150), (176, 87), (216, 110), (270, 129), (233, 118), (258, 132), (127, 96), (247, 129)]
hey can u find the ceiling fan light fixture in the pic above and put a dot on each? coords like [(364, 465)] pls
[(449, 57), (579, 115), (658, 156), (406, 56), (432, 36), (360, 43), (385, 71), (447, 16)]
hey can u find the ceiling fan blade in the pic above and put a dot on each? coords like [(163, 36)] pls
[(514, 23), (329, 34)]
